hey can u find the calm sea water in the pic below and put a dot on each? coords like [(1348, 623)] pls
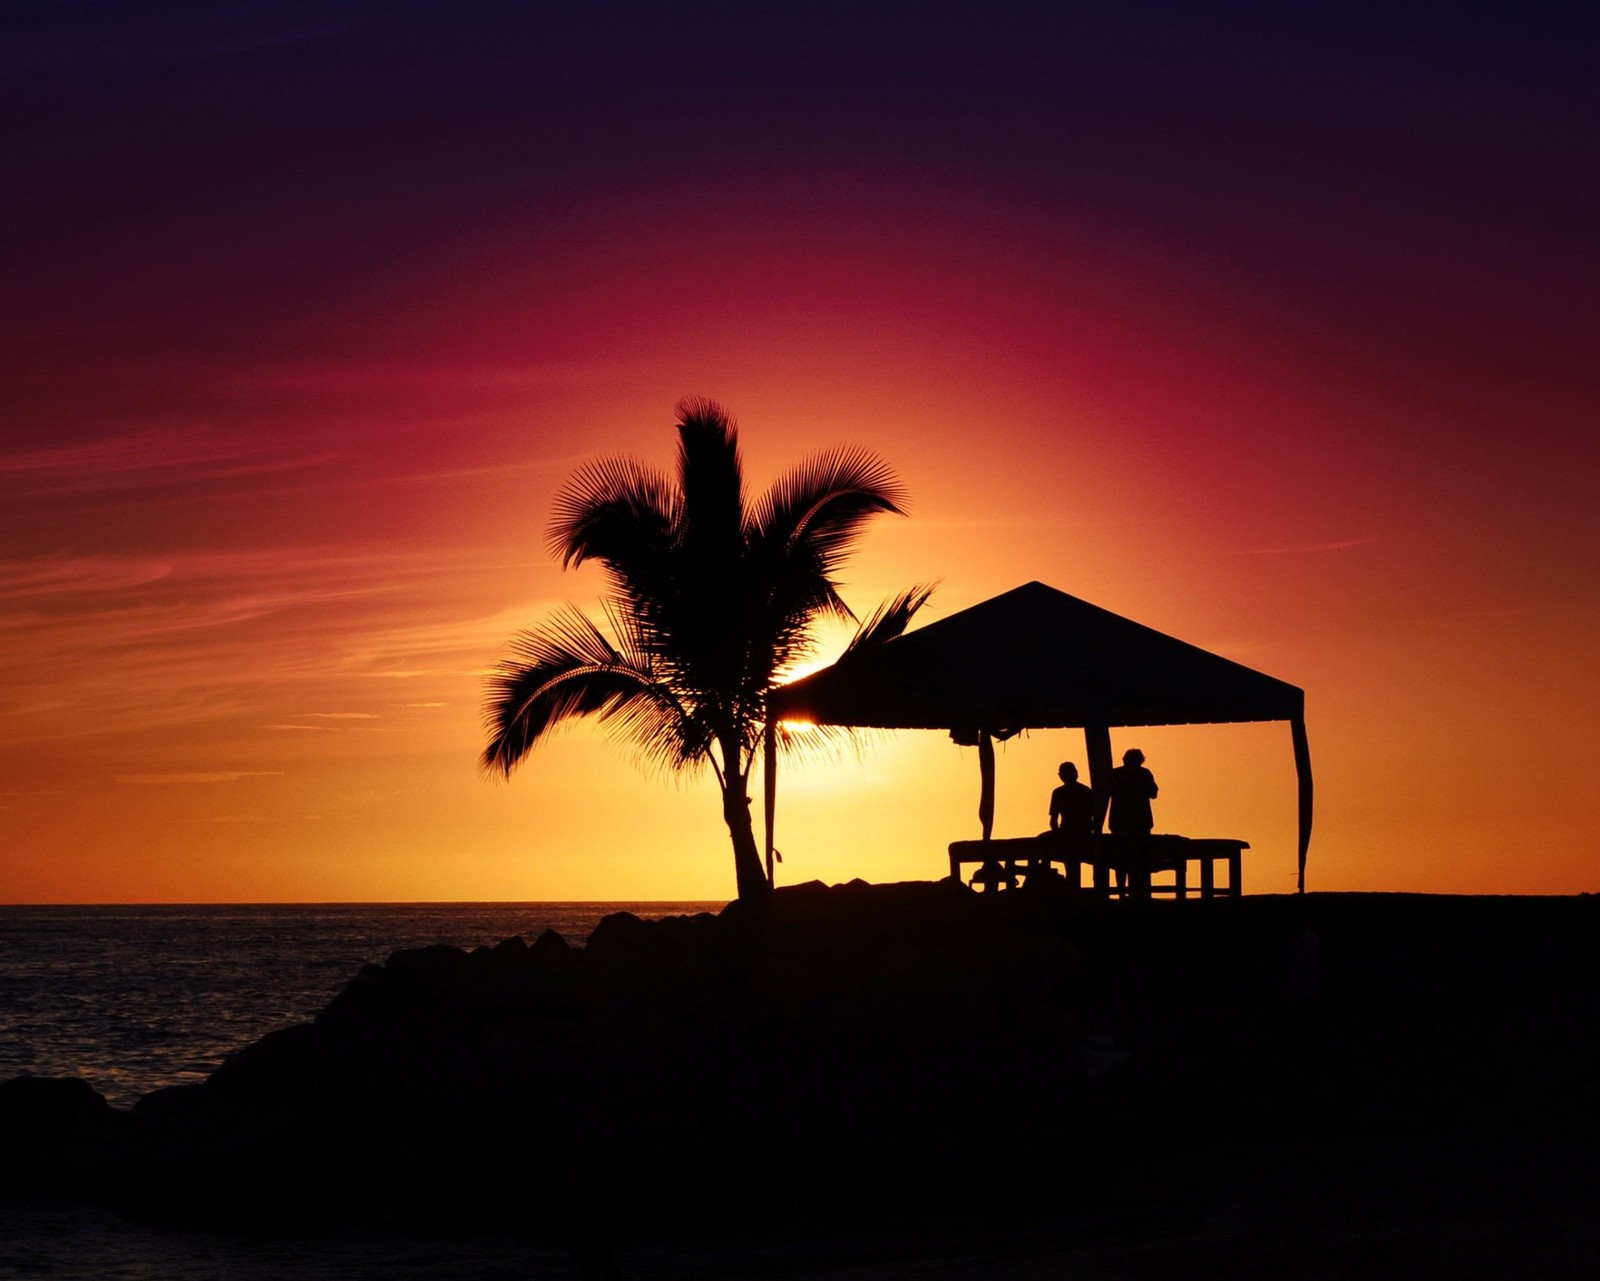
[(135, 998)]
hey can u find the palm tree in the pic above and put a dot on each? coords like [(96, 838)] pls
[(708, 602)]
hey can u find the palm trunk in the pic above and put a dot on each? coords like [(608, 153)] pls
[(751, 880)]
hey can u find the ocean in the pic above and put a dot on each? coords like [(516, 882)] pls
[(136, 998)]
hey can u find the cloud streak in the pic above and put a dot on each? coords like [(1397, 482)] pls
[(418, 375), (1311, 549), (100, 645), (150, 458), (198, 776)]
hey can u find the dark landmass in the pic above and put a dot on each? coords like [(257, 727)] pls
[(1327, 1085)]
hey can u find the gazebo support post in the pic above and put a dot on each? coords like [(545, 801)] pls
[(1302, 769), (986, 782), (1097, 738)]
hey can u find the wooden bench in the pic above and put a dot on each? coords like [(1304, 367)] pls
[(1137, 858)]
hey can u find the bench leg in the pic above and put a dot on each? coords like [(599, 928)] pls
[(1208, 878), (1139, 883)]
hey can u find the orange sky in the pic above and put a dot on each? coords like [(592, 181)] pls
[(1278, 338)]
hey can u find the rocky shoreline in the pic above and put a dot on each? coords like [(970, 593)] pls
[(860, 1053)]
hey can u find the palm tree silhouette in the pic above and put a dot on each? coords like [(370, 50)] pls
[(709, 601)]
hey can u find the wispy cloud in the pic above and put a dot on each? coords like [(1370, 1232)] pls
[(342, 722), (102, 644), (51, 576), (199, 776), (1303, 549), (129, 601), (415, 375), (152, 457), (453, 647)]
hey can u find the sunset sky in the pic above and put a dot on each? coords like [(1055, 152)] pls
[(1273, 327)]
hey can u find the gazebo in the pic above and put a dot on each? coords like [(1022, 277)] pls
[(1037, 658)]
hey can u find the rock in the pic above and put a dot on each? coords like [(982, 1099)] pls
[(841, 1049), (284, 1063), (551, 949), (58, 1137), (622, 939), (438, 969), (38, 1111)]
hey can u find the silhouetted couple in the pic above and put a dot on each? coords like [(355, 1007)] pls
[(1075, 812)]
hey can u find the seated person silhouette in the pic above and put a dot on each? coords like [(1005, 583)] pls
[(1132, 789), (1074, 818), (1073, 813)]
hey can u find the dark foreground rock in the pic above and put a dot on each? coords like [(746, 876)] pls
[(859, 1050)]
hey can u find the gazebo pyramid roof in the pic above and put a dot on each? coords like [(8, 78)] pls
[(1034, 658)]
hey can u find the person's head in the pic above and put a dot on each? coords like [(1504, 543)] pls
[(1068, 772), (1133, 756)]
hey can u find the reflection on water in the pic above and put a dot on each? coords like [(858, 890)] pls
[(74, 1243)]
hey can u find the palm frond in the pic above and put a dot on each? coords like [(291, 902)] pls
[(671, 729), (661, 732), (829, 493), (826, 744), (889, 619), (617, 511), (711, 483), (808, 522), (566, 669)]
